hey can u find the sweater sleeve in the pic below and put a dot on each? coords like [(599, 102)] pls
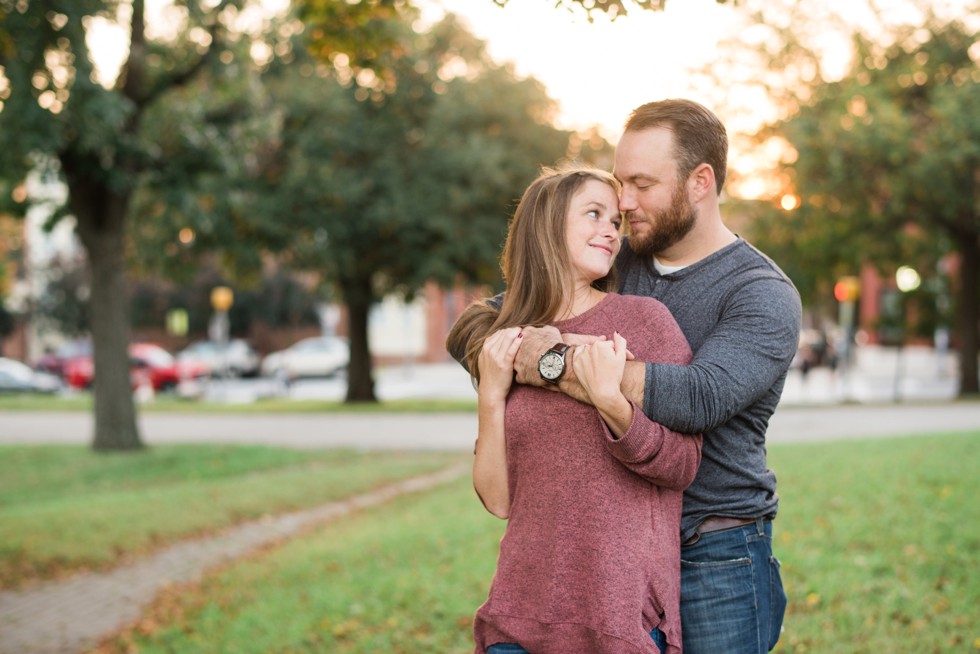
[(742, 358), (660, 455)]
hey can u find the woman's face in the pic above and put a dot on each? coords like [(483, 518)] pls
[(592, 230)]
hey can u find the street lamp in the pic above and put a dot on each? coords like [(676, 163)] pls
[(907, 279), (222, 298), (846, 292)]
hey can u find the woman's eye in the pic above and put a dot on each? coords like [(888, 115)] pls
[(594, 213)]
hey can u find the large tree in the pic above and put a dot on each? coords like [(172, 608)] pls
[(154, 133), (383, 178), (884, 162), (92, 137)]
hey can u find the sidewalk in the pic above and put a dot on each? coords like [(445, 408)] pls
[(71, 616), (877, 374)]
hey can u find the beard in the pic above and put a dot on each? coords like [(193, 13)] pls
[(667, 227)]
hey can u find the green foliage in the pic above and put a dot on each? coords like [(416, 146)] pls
[(52, 102), (402, 177), (884, 160), (61, 307), (125, 503), (381, 179), (58, 119), (610, 8)]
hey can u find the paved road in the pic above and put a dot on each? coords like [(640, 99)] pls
[(456, 431)]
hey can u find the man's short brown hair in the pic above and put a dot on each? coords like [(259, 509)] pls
[(699, 137)]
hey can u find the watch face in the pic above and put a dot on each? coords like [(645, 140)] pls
[(551, 366)]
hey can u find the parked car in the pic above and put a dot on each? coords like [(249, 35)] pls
[(54, 361), (318, 356), (150, 362), (235, 359), (18, 377)]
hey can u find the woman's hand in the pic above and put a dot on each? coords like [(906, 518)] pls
[(496, 376), (599, 368), (497, 363)]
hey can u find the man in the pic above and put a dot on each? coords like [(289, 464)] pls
[(741, 316)]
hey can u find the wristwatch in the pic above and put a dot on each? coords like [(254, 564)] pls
[(551, 365)]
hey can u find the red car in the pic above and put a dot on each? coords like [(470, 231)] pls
[(150, 362), (55, 361)]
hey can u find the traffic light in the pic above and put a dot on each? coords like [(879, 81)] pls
[(847, 289)]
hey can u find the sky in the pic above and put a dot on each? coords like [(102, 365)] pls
[(598, 72)]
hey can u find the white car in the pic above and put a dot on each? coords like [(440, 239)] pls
[(234, 359), (17, 377), (318, 356)]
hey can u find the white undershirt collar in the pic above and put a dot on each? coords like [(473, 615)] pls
[(666, 270)]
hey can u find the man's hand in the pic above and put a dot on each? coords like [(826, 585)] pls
[(537, 341)]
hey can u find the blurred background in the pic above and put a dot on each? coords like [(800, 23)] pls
[(265, 192)]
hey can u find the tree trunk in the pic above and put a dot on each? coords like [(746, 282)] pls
[(101, 217), (968, 315), (360, 380)]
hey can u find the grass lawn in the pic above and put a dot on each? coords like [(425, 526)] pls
[(878, 541), (63, 508)]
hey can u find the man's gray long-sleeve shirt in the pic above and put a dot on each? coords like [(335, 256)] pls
[(741, 315)]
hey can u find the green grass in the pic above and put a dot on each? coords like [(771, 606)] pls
[(878, 541), (173, 404), (64, 508)]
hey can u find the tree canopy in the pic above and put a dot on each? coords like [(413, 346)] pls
[(884, 162), (380, 182), (59, 120)]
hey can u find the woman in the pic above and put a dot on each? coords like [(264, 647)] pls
[(590, 560)]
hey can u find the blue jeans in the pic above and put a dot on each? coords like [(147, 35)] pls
[(732, 597), (512, 648)]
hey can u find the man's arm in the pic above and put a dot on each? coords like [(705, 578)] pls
[(742, 358), (739, 362), (537, 340), (467, 324)]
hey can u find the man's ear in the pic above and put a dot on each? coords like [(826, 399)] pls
[(701, 182)]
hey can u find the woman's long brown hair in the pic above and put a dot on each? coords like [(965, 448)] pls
[(535, 264)]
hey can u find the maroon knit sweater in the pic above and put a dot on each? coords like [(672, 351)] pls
[(590, 560)]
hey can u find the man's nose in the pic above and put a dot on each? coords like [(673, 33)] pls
[(627, 200)]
